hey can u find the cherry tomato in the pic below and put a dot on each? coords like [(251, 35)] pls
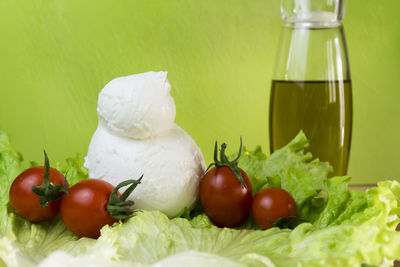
[(25, 202), (224, 199), (84, 211), (271, 204)]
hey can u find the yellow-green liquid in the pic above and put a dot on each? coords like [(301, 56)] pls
[(322, 109)]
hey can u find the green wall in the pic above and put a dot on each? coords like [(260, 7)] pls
[(56, 55)]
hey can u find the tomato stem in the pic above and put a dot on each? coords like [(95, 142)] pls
[(287, 222), (118, 206), (47, 191), (233, 165)]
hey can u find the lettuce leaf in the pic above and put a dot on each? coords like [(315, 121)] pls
[(363, 237), (345, 228), (10, 167), (293, 170), (266, 171), (73, 169), (19, 236)]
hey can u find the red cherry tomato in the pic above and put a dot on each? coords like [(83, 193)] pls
[(271, 204), (84, 211), (224, 199), (26, 203)]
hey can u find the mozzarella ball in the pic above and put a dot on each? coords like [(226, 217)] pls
[(172, 165), (137, 106)]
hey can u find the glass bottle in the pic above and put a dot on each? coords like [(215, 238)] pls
[(311, 86)]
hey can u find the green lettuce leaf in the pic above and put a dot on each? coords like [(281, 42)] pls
[(10, 167), (293, 170), (19, 236), (73, 169), (363, 237), (345, 228), (266, 171)]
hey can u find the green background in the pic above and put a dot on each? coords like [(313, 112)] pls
[(56, 55)]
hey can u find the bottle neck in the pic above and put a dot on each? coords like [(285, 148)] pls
[(312, 54)]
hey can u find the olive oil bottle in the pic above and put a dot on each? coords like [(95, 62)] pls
[(322, 110), (311, 86)]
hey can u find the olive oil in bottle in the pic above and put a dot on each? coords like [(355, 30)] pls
[(322, 110), (311, 85)]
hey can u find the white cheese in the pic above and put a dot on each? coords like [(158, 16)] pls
[(136, 135), (137, 106)]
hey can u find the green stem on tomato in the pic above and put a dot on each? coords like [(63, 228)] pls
[(48, 191), (287, 222), (118, 206), (233, 165)]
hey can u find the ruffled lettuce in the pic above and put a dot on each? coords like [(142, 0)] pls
[(292, 169), (17, 235), (361, 237), (343, 228)]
